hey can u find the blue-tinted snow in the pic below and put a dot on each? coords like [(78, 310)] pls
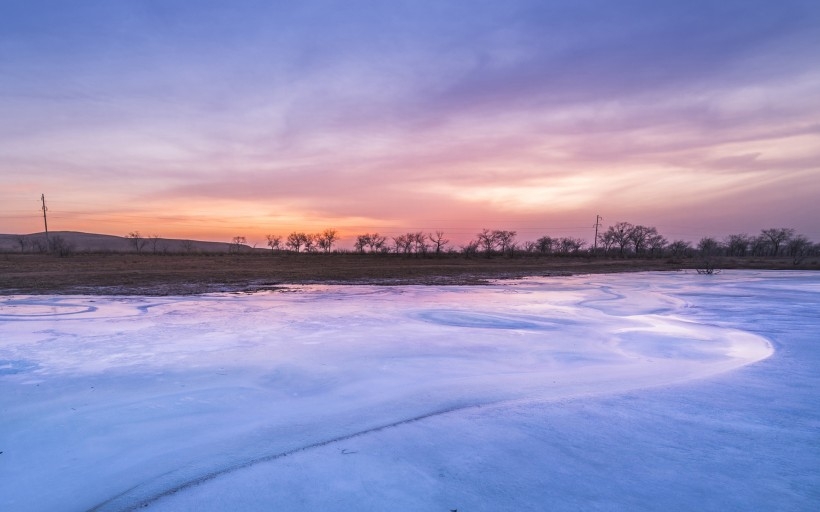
[(619, 392)]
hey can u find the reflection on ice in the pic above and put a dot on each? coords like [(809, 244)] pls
[(112, 403)]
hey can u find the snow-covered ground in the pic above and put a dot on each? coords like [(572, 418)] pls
[(648, 391)]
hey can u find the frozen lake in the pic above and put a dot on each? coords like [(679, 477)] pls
[(650, 391)]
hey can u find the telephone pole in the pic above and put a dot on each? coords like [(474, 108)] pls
[(45, 221), (598, 220)]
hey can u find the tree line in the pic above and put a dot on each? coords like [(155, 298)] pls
[(622, 239)]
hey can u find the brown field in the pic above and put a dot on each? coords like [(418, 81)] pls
[(149, 274)]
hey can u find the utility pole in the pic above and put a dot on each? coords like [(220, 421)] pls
[(598, 220), (45, 221)]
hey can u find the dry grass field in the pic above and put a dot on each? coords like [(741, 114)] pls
[(150, 274)]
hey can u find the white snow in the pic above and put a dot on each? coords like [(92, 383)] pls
[(651, 391)]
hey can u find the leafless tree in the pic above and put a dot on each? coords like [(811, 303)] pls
[(375, 242), (188, 246), (656, 244), (545, 244), (680, 248), (23, 242), (470, 249), (310, 242), (404, 244), (620, 235), (420, 243), (486, 240), (274, 242), (237, 243), (399, 243), (409, 242), (777, 237), (137, 240), (708, 247), (530, 247), (798, 247), (438, 241), (60, 246), (505, 240), (737, 245), (361, 242), (607, 240), (759, 246), (569, 245), (39, 245), (326, 239), (154, 240), (710, 251), (639, 237), (296, 240)]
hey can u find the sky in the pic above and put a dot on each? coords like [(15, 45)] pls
[(215, 119)]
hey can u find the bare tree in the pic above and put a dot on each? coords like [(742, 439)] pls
[(188, 246), (361, 242), (23, 242), (708, 247), (759, 246), (470, 249), (639, 236), (39, 245), (420, 243), (567, 245), (408, 242), (274, 242), (798, 247), (326, 239), (296, 240), (154, 240), (577, 244), (375, 242), (310, 242), (505, 240), (737, 245), (137, 240), (710, 250), (60, 246), (399, 243), (438, 241), (545, 244), (607, 240), (620, 235), (656, 243), (237, 243), (777, 237), (680, 248), (486, 239)]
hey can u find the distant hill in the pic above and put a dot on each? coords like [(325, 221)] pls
[(91, 242)]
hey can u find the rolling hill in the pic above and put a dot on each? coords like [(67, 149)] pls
[(92, 242)]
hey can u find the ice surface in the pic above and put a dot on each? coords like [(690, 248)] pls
[(617, 392)]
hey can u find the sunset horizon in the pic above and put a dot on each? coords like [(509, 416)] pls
[(217, 121)]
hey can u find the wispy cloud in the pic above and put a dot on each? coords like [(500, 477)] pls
[(403, 113)]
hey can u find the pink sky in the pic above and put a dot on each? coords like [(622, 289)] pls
[(249, 120)]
